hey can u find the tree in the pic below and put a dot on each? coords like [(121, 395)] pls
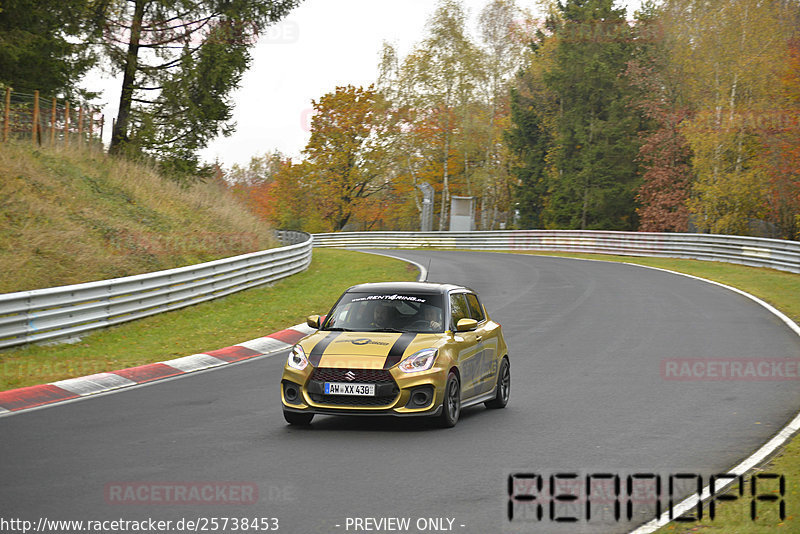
[(284, 200), (780, 157), (667, 174), (664, 155), (532, 128), (42, 45), (450, 98), (438, 79), (180, 61), (530, 133), (730, 54), (528, 141), (504, 47), (260, 169), (595, 145), (346, 152)]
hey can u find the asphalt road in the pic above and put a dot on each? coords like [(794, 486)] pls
[(587, 343)]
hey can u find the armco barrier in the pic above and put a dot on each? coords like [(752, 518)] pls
[(68, 311), (752, 251)]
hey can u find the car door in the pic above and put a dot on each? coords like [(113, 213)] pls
[(466, 345), (487, 339)]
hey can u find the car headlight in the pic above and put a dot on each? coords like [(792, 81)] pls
[(419, 361), (297, 358)]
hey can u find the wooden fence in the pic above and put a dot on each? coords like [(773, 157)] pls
[(48, 121)]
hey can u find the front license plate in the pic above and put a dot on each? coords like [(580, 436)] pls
[(345, 388)]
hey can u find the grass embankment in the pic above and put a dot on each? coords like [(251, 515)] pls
[(781, 290), (77, 215), (203, 327)]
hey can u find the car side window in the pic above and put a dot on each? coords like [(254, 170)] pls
[(458, 308), (475, 308)]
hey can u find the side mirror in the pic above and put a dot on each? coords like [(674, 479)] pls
[(313, 321), (465, 325)]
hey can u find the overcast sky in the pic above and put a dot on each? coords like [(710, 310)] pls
[(318, 46)]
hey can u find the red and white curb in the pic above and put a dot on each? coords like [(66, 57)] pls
[(17, 400)]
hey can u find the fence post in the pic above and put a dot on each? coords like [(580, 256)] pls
[(91, 125), (66, 123), (80, 125), (35, 121), (102, 125), (7, 114), (53, 123)]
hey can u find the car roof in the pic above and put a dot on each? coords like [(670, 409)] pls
[(415, 287)]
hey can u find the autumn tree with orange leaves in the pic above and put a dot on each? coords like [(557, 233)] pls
[(347, 155), (781, 150), (664, 155)]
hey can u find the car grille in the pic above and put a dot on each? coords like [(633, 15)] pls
[(385, 387), (375, 376)]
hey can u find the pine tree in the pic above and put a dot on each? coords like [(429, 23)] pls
[(180, 62), (528, 141), (40, 48), (595, 176)]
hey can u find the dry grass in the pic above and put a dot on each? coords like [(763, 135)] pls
[(71, 216)]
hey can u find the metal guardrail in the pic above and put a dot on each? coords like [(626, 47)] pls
[(752, 251), (69, 311)]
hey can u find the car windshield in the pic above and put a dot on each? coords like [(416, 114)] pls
[(387, 312)]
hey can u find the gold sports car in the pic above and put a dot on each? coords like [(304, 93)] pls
[(398, 348)]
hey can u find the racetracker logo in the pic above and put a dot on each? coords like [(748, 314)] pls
[(740, 369), (172, 493)]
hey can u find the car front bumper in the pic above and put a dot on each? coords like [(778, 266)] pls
[(397, 393)]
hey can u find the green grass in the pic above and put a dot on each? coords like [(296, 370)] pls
[(782, 290), (203, 327)]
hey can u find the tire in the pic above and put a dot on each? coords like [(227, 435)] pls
[(296, 418), (503, 387), (451, 404)]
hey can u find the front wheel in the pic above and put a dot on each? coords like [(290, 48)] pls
[(503, 387), (296, 418), (451, 405)]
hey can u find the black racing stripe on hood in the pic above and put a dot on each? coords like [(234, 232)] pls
[(397, 350), (319, 349)]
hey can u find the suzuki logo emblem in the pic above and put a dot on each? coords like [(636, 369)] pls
[(350, 376)]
